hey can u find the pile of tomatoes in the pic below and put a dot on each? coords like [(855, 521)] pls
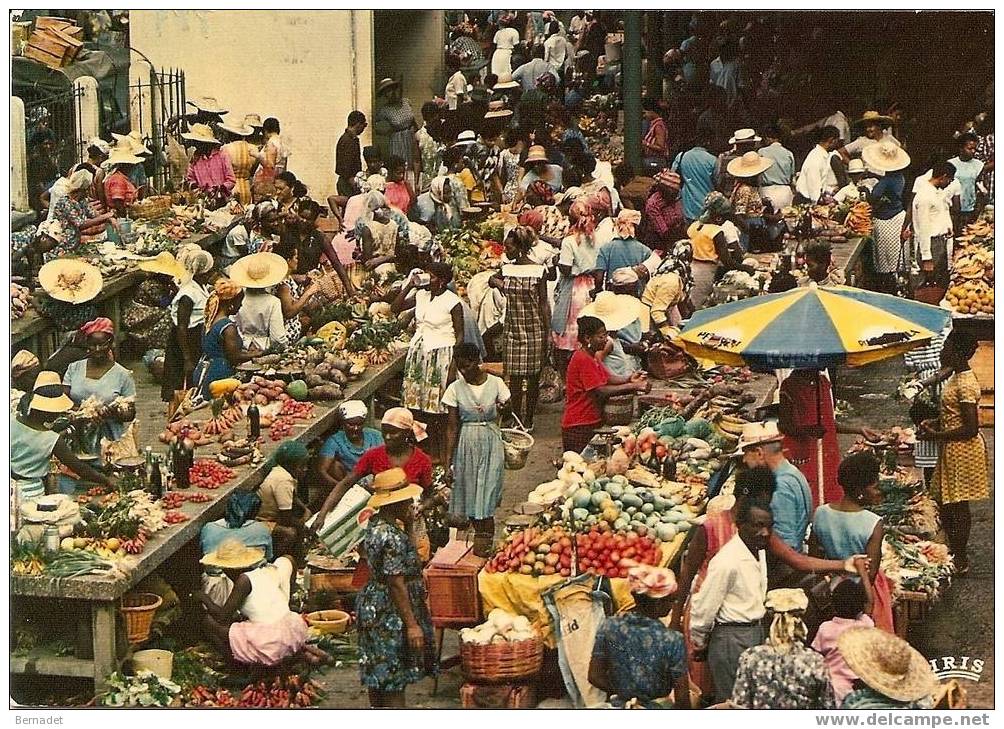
[(207, 474), (175, 517), (281, 428), (296, 410)]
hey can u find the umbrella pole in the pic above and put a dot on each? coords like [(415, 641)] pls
[(819, 441)]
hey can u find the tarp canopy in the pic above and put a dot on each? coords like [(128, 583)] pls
[(104, 65)]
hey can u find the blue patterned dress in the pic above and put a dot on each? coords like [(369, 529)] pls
[(385, 662), (644, 657)]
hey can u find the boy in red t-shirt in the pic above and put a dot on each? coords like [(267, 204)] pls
[(588, 384)]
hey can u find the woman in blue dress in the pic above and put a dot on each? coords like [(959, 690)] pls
[(474, 444), (396, 646), (222, 347), (343, 449)]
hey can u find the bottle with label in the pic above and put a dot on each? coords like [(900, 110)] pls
[(147, 467), (156, 487), (51, 536), (254, 422), (182, 462)]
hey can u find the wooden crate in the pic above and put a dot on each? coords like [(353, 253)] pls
[(44, 22), (42, 56), (911, 608), (499, 696), (451, 579), (53, 47)]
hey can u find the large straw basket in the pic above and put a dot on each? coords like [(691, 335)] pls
[(517, 444), (138, 609), (501, 662)]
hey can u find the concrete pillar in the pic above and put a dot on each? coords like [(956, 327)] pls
[(88, 117), (632, 87), (18, 156), (140, 97)]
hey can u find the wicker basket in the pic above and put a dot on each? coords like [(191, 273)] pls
[(157, 206), (332, 581), (516, 444), (619, 410), (501, 662), (138, 609)]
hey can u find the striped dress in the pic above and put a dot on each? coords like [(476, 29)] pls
[(524, 335)]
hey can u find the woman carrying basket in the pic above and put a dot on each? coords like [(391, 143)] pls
[(474, 445)]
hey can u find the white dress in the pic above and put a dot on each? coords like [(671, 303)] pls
[(505, 40)]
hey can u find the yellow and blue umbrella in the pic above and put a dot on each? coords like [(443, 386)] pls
[(811, 328)]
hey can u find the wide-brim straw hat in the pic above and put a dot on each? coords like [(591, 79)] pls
[(505, 82), (242, 130), (233, 555), (259, 270), (201, 133), (787, 600), (616, 311), (164, 263), (132, 141), (70, 280), (208, 104), (48, 395), (387, 83), (755, 434), (496, 109), (856, 166), (750, 164), (885, 156), (465, 138), (536, 154), (391, 487), (253, 120), (743, 136), (887, 664), (874, 116), (123, 154)]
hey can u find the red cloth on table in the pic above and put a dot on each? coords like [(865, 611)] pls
[(810, 406), (584, 375), (376, 460)]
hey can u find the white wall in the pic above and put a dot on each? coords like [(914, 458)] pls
[(298, 66)]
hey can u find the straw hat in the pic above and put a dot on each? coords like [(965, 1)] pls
[(164, 263), (387, 83), (100, 144), (48, 395), (497, 109), (755, 434), (123, 154), (465, 138), (201, 133), (253, 120), (505, 82), (232, 554), (787, 600), (70, 280), (242, 130), (133, 141), (888, 664), (208, 104), (856, 167), (536, 154), (259, 270), (616, 311), (750, 164), (885, 156), (743, 136), (874, 117), (391, 487)]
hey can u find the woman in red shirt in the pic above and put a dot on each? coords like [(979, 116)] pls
[(588, 384), (401, 434)]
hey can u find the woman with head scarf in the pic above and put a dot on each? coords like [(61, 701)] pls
[(401, 435), (625, 251), (238, 523), (378, 231), (101, 381), (576, 264), (71, 219), (222, 347), (281, 510), (636, 659), (24, 368), (188, 309), (343, 448), (783, 673), (715, 241), (437, 209)]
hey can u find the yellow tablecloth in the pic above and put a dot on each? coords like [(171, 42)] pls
[(521, 594)]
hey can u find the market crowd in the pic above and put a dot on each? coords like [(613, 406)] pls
[(600, 264)]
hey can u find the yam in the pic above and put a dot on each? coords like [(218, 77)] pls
[(314, 380), (338, 377), (325, 392)]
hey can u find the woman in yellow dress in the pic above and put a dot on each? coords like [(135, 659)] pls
[(243, 158), (962, 474)]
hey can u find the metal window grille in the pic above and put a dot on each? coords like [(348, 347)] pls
[(55, 117), (159, 106)]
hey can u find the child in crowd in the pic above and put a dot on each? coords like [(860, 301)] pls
[(852, 601)]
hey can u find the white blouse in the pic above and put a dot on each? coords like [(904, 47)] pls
[(434, 319), (260, 321), (194, 291)]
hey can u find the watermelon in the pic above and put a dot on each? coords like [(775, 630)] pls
[(297, 389)]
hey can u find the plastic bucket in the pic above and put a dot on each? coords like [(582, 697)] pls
[(158, 661)]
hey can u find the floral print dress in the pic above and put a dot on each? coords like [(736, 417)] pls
[(644, 657), (385, 662), (770, 679)]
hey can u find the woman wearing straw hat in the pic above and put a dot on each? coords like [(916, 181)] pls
[(243, 158), (33, 443), (891, 673), (119, 190), (626, 319), (890, 230), (783, 673), (537, 167), (133, 144), (395, 629), (190, 271), (222, 347), (71, 219), (210, 170), (749, 211), (260, 318), (255, 626)]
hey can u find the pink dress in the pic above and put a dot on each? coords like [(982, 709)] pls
[(344, 247), (825, 643), (272, 632)]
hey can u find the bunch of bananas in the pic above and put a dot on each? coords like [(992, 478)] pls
[(859, 219)]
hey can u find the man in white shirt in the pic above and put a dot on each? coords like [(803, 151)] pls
[(456, 87), (932, 223), (529, 72), (816, 176), (727, 612), (557, 50), (775, 182)]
